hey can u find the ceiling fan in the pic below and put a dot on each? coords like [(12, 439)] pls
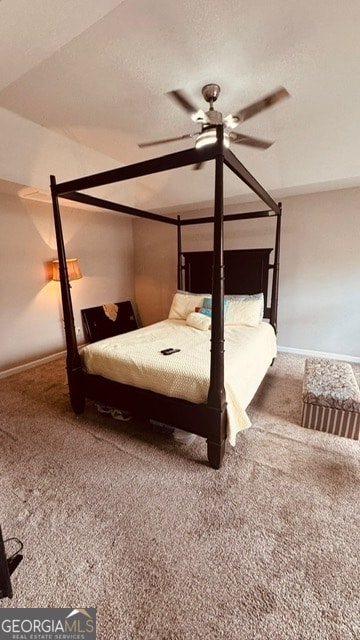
[(211, 118)]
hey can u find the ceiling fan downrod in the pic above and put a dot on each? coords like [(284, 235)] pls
[(211, 93)]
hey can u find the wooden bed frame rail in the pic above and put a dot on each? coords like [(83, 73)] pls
[(207, 420)]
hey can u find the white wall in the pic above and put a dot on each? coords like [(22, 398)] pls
[(319, 296), (319, 291), (31, 323), (155, 254)]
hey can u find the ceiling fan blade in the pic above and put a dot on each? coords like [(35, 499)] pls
[(256, 107), (183, 100), (239, 138), (142, 145)]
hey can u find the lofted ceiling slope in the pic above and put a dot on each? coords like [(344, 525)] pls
[(98, 74)]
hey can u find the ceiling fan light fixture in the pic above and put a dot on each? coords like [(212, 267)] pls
[(212, 118), (231, 121), (199, 116), (208, 136)]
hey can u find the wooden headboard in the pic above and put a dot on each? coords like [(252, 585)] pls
[(245, 271)]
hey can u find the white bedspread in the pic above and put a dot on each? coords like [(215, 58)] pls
[(134, 358)]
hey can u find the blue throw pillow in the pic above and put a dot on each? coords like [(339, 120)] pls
[(207, 307), (205, 312)]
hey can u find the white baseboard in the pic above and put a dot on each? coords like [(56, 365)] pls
[(29, 365), (319, 354)]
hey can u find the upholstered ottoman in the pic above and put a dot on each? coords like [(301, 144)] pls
[(331, 398)]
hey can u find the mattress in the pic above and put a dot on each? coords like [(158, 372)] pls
[(135, 359)]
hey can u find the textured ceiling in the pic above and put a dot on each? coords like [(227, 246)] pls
[(98, 73)]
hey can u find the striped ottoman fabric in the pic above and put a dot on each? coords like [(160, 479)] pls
[(331, 398)]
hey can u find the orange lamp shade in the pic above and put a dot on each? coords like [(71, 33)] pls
[(73, 269)]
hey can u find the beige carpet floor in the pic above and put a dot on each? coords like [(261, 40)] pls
[(120, 517)]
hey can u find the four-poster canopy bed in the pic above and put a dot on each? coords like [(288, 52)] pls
[(217, 273)]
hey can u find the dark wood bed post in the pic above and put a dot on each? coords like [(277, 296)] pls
[(216, 397), (179, 256), (73, 363), (275, 287)]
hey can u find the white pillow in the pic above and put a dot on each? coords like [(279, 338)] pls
[(198, 321), (184, 303), (248, 296), (246, 310)]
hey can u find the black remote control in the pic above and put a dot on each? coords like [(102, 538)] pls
[(169, 351)]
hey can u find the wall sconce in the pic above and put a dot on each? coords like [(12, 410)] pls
[(73, 269)]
